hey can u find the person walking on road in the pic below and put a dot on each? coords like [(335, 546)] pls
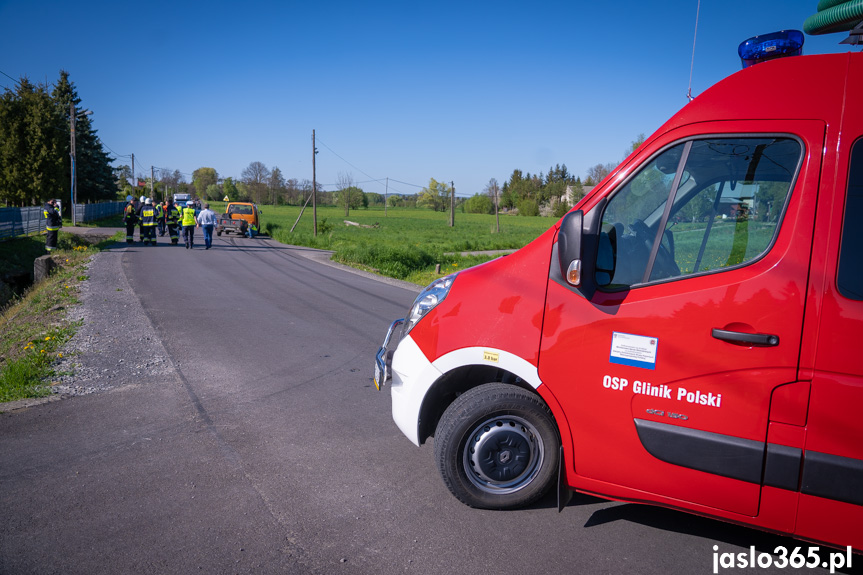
[(130, 218), (172, 217), (189, 225), (53, 225), (161, 213), (148, 222), (207, 220)]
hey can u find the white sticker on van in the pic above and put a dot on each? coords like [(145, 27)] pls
[(633, 350)]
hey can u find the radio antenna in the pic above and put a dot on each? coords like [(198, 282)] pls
[(692, 65)]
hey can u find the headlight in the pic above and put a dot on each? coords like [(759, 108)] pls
[(428, 299)]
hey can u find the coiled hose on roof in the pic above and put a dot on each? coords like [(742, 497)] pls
[(834, 16)]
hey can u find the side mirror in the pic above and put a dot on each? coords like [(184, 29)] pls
[(606, 258), (569, 240)]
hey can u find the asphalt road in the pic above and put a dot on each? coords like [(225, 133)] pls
[(270, 451)]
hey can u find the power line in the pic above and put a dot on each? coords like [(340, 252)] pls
[(371, 179), (8, 76)]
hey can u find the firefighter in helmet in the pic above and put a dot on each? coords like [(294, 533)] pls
[(53, 225), (148, 222), (130, 218), (172, 219)]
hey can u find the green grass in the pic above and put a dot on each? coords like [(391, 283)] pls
[(404, 243), (34, 327)]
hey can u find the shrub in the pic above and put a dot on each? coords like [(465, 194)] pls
[(478, 204), (528, 207)]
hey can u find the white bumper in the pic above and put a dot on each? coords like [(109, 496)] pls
[(413, 375)]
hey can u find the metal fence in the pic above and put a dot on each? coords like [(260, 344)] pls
[(21, 221), (24, 221), (92, 212)]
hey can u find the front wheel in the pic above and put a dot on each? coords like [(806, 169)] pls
[(497, 447)]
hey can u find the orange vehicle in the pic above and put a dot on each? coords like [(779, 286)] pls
[(241, 218)]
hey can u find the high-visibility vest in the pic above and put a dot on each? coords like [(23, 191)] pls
[(188, 217), (173, 214)]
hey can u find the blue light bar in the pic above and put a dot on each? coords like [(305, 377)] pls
[(770, 46)]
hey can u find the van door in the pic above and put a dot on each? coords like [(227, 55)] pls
[(665, 372), (831, 487)]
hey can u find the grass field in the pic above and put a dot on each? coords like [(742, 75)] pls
[(404, 243)]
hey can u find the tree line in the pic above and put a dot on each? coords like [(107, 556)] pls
[(35, 165), (35, 146)]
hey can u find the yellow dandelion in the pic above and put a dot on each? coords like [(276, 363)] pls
[(59, 355), (41, 351), (48, 338)]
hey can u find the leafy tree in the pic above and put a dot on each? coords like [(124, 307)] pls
[(202, 178), (122, 176), (351, 198), (243, 192), (374, 199), (436, 196), (213, 192), (348, 195), (229, 189), (276, 184)]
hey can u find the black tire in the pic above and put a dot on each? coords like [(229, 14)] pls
[(219, 233), (497, 447)]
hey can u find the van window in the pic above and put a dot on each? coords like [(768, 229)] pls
[(850, 276), (727, 196)]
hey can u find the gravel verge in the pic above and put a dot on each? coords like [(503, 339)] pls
[(115, 344)]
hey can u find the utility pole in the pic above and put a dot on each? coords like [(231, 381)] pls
[(386, 193), (151, 183), (72, 155), (452, 205), (134, 179), (314, 187)]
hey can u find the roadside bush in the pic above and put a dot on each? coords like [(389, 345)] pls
[(528, 207), (478, 204)]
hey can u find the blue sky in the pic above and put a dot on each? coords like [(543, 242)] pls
[(456, 91)]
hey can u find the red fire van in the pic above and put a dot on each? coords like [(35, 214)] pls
[(687, 336)]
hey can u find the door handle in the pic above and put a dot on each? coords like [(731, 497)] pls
[(757, 339)]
